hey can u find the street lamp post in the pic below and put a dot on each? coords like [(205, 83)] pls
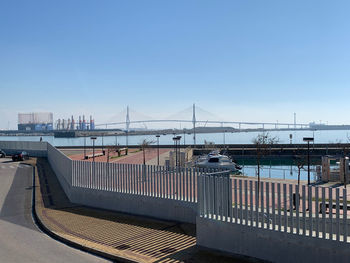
[(184, 136), (93, 148), (158, 148), (308, 140), (127, 139), (102, 144), (93, 155), (176, 141), (84, 146)]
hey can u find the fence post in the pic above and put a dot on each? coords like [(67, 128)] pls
[(251, 202), (230, 198), (285, 208), (273, 189), (330, 214), (317, 212), (345, 213), (324, 212), (338, 216), (279, 206), (297, 208), (304, 208), (236, 201)]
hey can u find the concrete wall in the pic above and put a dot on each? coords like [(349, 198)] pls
[(62, 166), (35, 149), (268, 245), (156, 207)]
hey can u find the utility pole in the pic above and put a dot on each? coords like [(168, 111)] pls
[(194, 124), (158, 148), (308, 140)]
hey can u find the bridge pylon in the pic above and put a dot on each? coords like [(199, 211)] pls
[(194, 123)]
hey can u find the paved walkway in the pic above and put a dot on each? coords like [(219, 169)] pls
[(134, 238), (135, 156)]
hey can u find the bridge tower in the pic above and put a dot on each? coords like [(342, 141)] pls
[(194, 123), (127, 121), (127, 124)]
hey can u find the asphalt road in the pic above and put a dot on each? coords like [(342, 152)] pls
[(20, 239)]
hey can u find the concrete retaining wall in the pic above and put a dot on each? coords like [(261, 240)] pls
[(167, 209), (62, 166), (35, 149), (268, 245)]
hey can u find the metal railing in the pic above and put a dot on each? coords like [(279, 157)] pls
[(318, 212), (149, 180)]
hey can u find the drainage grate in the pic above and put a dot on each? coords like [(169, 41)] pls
[(122, 247), (168, 250)]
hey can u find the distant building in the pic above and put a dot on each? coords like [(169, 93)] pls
[(35, 121), (71, 124)]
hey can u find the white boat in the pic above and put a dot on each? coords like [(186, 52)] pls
[(218, 161)]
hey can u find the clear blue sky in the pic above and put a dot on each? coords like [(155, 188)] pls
[(242, 60)]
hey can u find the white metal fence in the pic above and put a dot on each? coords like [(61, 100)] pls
[(149, 180), (311, 211)]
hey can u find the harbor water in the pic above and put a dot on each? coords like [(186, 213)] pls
[(333, 136)]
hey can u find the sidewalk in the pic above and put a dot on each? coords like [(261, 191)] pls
[(114, 235), (135, 156)]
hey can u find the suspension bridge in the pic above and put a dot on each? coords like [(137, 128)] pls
[(205, 121), (195, 123)]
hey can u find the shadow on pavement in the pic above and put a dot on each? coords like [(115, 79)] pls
[(140, 237)]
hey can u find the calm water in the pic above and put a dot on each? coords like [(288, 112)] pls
[(280, 172), (217, 138)]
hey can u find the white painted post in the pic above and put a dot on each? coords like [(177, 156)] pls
[(180, 178), (268, 204), (297, 208), (273, 189), (149, 180), (303, 192), (338, 214), (236, 201), (317, 212), (256, 205), (291, 208), (213, 199), (220, 197), (345, 214), (240, 202), (134, 181), (279, 206), (195, 172), (167, 182), (152, 180), (175, 182), (127, 179), (158, 180), (285, 208), (262, 205), (323, 213), (230, 199), (208, 196), (251, 202), (246, 201), (133, 178), (186, 185), (330, 214), (201, 199)]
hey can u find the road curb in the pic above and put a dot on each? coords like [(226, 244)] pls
[(66, 241)]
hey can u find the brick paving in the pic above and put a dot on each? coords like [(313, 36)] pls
[(135, 156), (134, 238)]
